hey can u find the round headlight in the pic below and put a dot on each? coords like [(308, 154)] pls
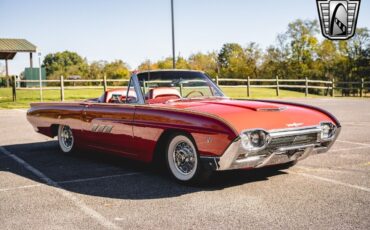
[(254, 140), (258, 138), (327, 130)]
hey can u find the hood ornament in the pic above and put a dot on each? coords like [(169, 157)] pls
[(294, 124)]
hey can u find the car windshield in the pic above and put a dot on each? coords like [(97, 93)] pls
[(166, 85)]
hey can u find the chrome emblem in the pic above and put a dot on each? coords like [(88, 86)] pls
[(294, 124), (338, 18), (101, 128)]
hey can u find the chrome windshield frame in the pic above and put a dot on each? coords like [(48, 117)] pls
[(215, 90), (135, 81)]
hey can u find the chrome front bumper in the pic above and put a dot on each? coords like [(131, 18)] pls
[(236, 157)]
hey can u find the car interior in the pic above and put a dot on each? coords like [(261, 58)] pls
[(153, 96)]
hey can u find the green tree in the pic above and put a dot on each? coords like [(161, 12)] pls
[(96, 69), (117, 70), (239, 62), (64, 63), (358, 52), (204, 62), (165, 63)]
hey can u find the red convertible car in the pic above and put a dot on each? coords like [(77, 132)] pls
[(182, 118)]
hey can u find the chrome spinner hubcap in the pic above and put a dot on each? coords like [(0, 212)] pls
[(67, 137), (184, 158)]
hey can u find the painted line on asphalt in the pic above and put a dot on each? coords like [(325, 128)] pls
[(19, 187), (71, 181), (354, 143), (349, 149), (331, 181), (79, 203), (97, 178)]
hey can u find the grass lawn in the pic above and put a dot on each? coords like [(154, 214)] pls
[(25, 97)]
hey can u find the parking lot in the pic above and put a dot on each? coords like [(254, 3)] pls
[(40, 188)]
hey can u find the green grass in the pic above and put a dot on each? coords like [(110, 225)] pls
[(262, 93), (25, 97)]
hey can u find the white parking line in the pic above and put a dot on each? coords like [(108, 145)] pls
[(79, 203), (349, 149), (330, 181), (19, 187), (71, 181), (354, 143), (97, 178)]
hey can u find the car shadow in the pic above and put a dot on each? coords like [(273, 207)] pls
[(98, 174)]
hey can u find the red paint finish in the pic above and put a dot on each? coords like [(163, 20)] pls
[(134, 130), (245, 115)]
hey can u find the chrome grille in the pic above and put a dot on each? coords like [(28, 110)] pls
[(287, 141)]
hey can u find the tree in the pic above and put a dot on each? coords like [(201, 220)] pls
[(239, 62), (147, 65), (358, 52), (165, 63), (117, 70), (64, 63), (253, 56), (96, 69), (204, 62)]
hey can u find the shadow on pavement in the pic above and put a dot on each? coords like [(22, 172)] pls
[(124, 179)]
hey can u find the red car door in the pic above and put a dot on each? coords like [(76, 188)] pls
[(109, 127)]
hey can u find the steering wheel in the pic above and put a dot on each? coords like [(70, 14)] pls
[(194, 91)]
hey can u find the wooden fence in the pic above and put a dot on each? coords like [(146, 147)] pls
[(331, 88)]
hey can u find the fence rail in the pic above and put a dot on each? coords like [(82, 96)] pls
[(358, 88)]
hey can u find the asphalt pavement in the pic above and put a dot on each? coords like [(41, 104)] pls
[(40, 188)]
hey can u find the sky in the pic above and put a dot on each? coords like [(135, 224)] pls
[(136, 30)]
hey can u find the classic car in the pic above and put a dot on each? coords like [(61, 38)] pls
[(182, 118)]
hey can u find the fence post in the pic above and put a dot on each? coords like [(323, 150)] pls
[(277, 86), (248, 87), (332, 87), (61, 88), (306, 87), (105, 82), (217, 80), (362, 87), (14, 86)]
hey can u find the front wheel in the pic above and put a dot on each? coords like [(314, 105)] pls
[(183, 160), (65, 139)]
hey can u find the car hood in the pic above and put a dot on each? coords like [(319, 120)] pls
[(249, 114)]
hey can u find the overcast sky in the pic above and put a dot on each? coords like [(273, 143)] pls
[(135, 30)]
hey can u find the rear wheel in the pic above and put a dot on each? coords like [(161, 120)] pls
[(65, 138), (183, 160)]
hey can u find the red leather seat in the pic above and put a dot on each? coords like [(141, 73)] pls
[(162, 94)]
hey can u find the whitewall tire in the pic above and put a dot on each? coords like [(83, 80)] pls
[(183, 160), (65, 139)]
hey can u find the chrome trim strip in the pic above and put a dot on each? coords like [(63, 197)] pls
[(294, 132), (284, 149)]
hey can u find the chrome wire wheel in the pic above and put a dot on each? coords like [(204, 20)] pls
[(65, 138), (182, 158)]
